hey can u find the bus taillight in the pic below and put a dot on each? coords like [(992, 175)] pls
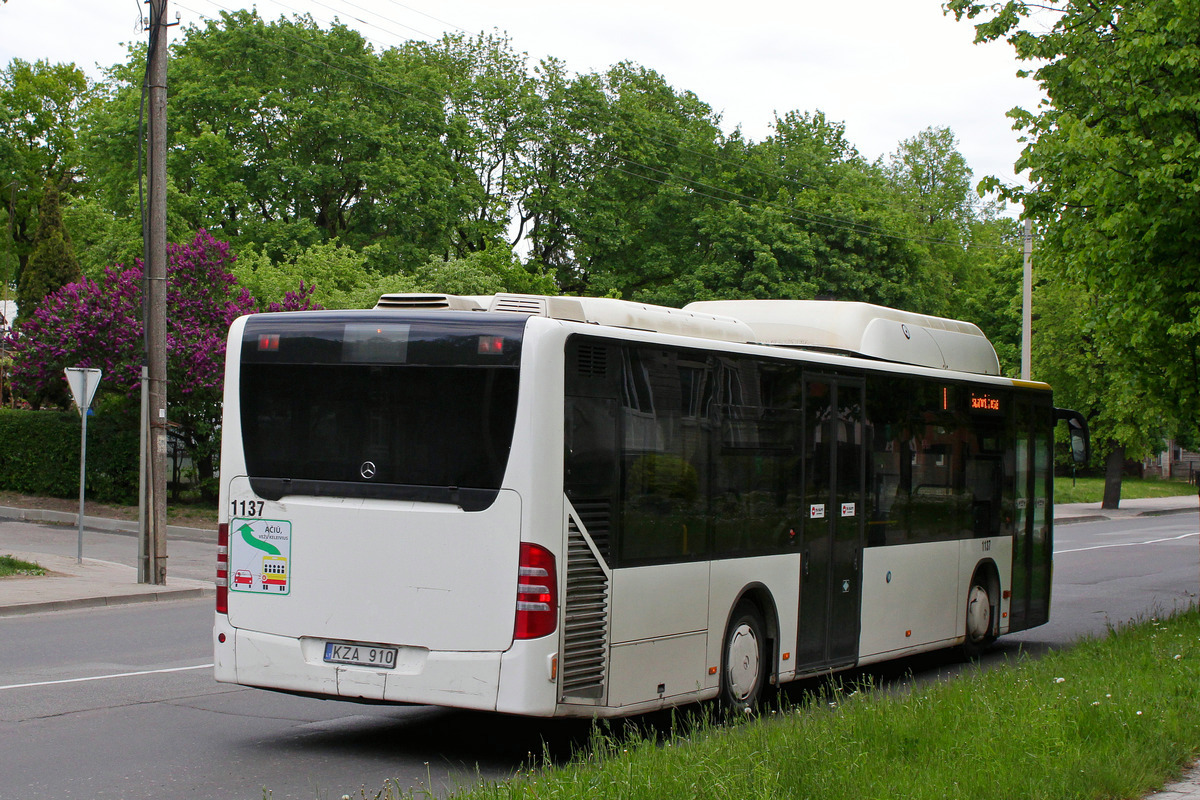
[(223, 568), (537, 593)]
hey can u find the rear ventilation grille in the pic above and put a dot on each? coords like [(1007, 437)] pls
[(592, 361), (432, 301), (585, 629), (595, 516), (521, 304)]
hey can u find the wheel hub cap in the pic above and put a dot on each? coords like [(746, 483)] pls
[(743, 662)]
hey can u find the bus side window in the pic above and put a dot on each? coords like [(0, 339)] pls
[(665, 455), (756, 487)]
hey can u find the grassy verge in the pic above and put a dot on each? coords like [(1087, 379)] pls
[(1091, 490), (1109, 718), (10, 566)]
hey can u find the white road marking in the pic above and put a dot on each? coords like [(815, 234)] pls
[(1123, 544), (105, 677)]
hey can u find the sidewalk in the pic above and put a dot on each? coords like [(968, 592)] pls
[(49, 539), (44, 536), (1067, 513)]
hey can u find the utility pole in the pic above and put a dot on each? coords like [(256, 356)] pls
[(154, 487), (1027, 305), (7, 276)]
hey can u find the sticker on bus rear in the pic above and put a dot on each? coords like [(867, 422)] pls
[(259, 554)]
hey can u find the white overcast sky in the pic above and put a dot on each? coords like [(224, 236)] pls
[(886, 68)]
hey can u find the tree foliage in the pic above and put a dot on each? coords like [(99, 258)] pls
[(1114, 160), (615, 183), (41, 105), (52, 263)]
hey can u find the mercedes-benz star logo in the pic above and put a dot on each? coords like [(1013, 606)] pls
[(367, 470)]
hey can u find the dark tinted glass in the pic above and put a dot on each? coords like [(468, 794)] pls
[(417, 407)]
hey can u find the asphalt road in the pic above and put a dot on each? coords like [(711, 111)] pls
[(1109, 573), (119, 702)]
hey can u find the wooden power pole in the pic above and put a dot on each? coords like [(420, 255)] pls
[(154, 488)]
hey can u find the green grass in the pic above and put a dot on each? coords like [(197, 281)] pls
[(1108, 718), (14, 566), (1091, 490)]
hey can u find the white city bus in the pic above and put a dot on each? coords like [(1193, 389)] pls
[(559, 506)]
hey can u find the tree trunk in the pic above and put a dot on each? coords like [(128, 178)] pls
[(1112, 475)]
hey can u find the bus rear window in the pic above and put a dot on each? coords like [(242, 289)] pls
[(360, 405)]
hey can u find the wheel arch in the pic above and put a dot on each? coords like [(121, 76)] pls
[(987, 573), (987, 570), (758, 595)]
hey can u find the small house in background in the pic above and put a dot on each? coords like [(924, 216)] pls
[(8, 312), (1173, 462)]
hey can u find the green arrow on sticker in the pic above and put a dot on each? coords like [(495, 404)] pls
[(247, 533)]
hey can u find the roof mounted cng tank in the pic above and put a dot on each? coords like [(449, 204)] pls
[(863, 329)]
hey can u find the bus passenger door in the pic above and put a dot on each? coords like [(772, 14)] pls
[(835, 469), (1033, 547)]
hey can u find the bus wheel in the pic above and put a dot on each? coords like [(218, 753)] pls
[(979, 618), (744, 663)]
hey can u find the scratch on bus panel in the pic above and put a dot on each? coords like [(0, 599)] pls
[(430, 589)]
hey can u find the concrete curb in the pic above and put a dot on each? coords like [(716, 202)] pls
[(90, 583), (1073, 520), (21, 609), (1165, 512)]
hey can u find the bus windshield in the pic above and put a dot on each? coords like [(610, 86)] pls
[(382, 405)]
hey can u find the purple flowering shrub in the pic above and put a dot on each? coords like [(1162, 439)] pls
[(98, 324)]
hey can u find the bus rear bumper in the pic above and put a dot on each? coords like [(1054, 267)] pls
[(444, 678)]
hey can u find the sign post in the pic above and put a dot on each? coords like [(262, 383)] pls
[(83, 384)]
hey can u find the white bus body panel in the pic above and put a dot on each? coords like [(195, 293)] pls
[(464, 680), (390, 573), (408, 569), (909, 598), (911, 601), (659, 632)]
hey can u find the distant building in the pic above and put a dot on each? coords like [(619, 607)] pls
[(1173, 462), (8, 312)]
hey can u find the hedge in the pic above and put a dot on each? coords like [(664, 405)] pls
[(39, 454)]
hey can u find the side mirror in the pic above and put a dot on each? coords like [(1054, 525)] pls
[(1077, 427)]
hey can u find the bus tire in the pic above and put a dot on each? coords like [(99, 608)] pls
[(744, 661), (980, 625)]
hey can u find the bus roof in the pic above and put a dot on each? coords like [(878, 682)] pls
[(862, 329)]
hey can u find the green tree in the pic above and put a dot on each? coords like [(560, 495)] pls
[(1114, 161), (316, 138), (1084, 354), (41, 106), (934, 175), (52, 264), (490, 100), (485, 272), (932, 179), (974, 253), (991, 288), (558, 163), (336, 274), (635, 224)]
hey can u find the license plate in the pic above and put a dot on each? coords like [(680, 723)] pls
[(360, 655)]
